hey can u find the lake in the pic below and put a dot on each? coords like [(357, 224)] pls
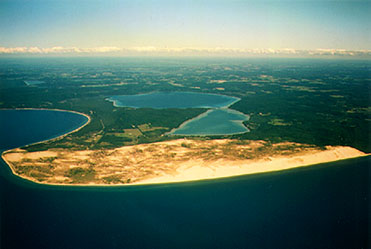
[(164, 100), (214, 122), (325, 206), (220, 120)]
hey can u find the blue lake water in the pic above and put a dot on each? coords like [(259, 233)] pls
[(214, 122), (163, 100), (325, 206), (219, 121)]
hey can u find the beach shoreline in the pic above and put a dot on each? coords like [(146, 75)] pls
[(267, 165)]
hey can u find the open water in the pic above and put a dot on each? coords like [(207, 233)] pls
[(324, 206), (27, 126), (218, 121), (214, 122), (163, 100)]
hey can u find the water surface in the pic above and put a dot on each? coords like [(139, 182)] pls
[(33, 82), (163, 100), (220, 121), (21, 127), (325, 206)]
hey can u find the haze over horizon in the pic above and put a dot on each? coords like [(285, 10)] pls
[(221, 27)]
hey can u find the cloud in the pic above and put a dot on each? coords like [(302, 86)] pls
[(193, 51), (143, 49), (57, 50), (13, 50), (250, 52)]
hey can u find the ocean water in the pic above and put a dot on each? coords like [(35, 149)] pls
[(324, 206), (33, 82), (163, 100), (220, 121)]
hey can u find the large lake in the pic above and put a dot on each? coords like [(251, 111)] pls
[(163, 100), (220, 120), (326, 206)]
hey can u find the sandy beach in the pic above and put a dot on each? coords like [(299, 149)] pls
[(171, 161), (224, 168)]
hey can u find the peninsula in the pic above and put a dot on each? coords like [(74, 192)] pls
[(170, 161)]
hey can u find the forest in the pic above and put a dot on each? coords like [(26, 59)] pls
[(312, 101)]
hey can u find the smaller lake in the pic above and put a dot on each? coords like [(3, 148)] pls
[(164, 100), (218, 121)]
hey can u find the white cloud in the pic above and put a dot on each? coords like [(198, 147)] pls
[(143, 49), (217, 51), (57, 50), (13, 50)]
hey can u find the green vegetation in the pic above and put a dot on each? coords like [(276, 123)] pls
[(312, 118), (81, 175), (112, 127), (279, 122), (320, 102), (114, 180)]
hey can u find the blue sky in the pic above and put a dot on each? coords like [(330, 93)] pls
[(238, 24)]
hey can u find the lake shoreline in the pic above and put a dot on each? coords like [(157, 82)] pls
[(116, 102), (234, 124), (204, 115)]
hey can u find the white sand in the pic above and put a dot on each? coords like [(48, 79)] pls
[(191, 170), (175, 161)]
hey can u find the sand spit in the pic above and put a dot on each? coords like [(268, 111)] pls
[(170, 161)]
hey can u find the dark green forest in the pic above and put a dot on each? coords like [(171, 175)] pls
[(313, 101)]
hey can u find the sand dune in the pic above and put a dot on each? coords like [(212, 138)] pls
[(170, 161), (225, 168)]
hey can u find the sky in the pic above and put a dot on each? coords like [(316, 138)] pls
[(180, 26)]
